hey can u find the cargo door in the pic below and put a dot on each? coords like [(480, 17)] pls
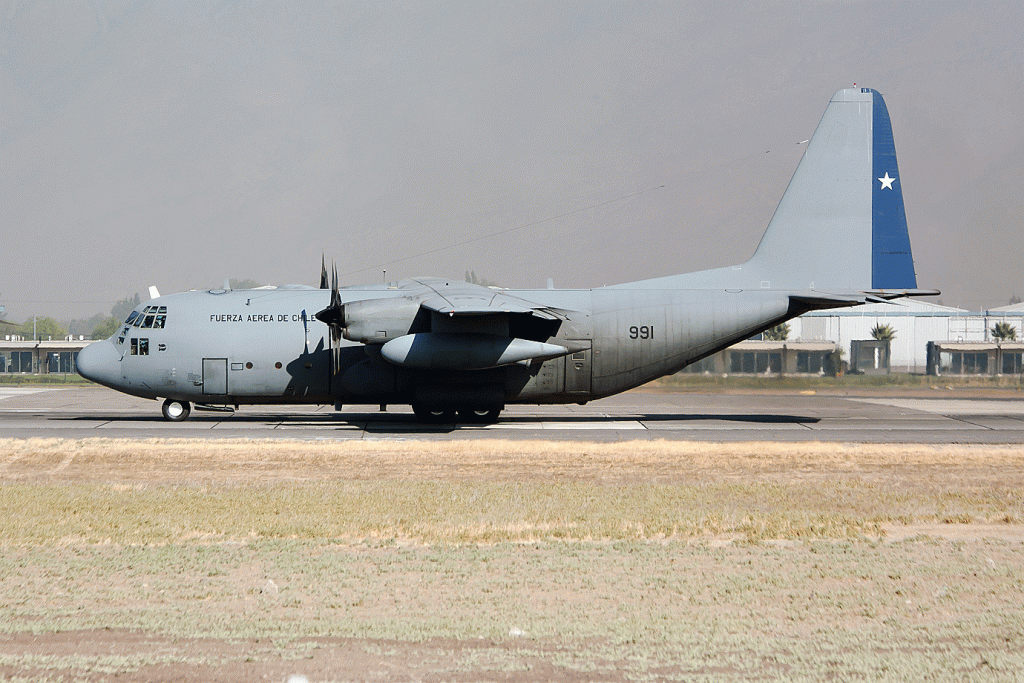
[(215, 376)]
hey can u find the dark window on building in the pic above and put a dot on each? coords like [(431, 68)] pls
[(701, 366), (1013, 363), (963, 363), (755, 362), (61, 361), (21, 361), (810, 362)]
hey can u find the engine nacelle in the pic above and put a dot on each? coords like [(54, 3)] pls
[(377, 321), (468, 351)]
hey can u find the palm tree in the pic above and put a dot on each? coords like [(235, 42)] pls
[(778, 333), (1004, 332), (883, 332)]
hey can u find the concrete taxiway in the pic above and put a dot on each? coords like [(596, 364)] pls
[(83, 412)]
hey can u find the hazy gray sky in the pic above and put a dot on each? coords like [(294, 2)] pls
[(176, 144)]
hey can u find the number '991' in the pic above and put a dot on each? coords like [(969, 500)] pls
[(641, 332)]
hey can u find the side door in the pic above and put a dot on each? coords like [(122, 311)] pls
[(215, 376), (578, 369)]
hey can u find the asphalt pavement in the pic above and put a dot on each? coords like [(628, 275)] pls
[(873, 417)]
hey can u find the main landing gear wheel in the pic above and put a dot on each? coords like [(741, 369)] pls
[(434, 415), (176, 411), (480, 415)]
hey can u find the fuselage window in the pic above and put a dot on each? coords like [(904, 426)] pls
[(161, 318), (143, 347), (135, 346), (148, 321), (138, 320), (131, 317)]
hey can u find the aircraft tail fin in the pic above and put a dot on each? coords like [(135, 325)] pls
[(841, 225)]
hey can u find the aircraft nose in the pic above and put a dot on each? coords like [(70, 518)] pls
[(100, 363)]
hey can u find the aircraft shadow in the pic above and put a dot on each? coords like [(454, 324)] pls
[(407, 423)]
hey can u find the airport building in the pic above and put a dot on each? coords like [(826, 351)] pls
[(43, 357), (929, 339)]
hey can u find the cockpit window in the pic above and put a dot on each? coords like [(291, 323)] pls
[(149, 317), (161, 317)]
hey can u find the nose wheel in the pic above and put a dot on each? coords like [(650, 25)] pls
[(176, 411)]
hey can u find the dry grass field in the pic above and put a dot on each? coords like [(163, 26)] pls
[(509, 561)]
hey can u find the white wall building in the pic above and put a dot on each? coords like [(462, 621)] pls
[(915, 322)]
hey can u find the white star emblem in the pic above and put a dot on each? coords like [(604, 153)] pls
[(886, 181)]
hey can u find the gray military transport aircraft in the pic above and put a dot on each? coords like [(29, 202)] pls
[(838, 238)]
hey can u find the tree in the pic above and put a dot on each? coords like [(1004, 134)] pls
[(1004, 332), (778, 333), (883, 332), (105, 328), (42, 328), (474, 280), (125, 306), (83, 327), (1014, 300), (243, 284)]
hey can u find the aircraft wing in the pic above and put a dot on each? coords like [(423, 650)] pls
[(466, 299)]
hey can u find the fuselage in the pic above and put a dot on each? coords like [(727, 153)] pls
[(265, 346), (838, 238)]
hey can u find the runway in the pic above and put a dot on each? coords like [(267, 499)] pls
[(871, 417)]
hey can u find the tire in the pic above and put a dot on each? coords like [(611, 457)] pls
[(433, 414), (479, 415), (176, 411)]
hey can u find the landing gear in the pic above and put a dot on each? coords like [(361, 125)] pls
[(437, 415), (176, 411), (434, 415), (479, 415)]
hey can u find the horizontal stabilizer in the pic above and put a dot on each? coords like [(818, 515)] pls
[(889, 294), (819, 300)]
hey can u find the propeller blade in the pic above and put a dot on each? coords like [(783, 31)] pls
[(334, 317), (323, 273)]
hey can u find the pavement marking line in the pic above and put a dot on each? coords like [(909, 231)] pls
[(571, 426), (12, 392), (951, 406)]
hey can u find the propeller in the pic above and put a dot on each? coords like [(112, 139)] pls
[(334, 317)]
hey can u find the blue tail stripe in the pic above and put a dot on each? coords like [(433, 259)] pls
[(892, 266)]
